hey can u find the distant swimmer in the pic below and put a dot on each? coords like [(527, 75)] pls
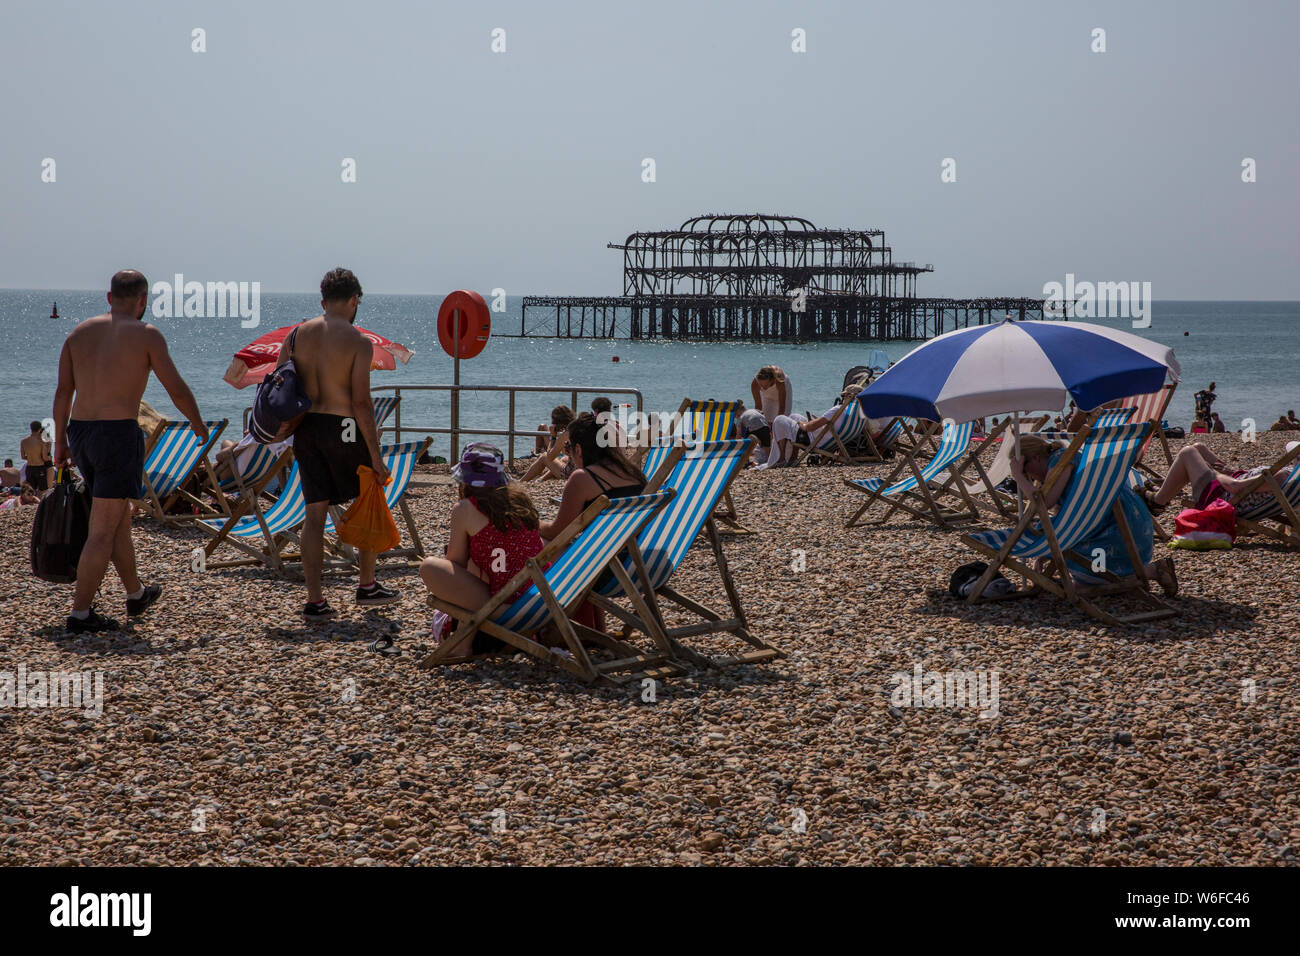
[(103, 371)]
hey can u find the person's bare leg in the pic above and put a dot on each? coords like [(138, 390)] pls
[(366, 567), (1162, 572), (1208, 454), (1187, 468), (313, 543), (123, 556), (105, 518), (451, 583)]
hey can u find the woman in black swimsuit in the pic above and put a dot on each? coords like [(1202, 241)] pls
[(599, 468)]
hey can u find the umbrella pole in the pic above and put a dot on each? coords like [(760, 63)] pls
[(1015, 432)]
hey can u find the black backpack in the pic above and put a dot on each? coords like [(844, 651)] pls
[(60, 530), (280, 404)]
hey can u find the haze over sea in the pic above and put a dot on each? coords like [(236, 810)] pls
[(1248, 348)]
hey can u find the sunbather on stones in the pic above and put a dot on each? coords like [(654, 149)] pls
[(552, 460), (493, 534), (1038, 456), (1210, 478)]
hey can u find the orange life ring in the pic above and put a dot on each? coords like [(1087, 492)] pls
[(475, 323)]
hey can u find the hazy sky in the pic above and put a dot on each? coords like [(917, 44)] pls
[(479, 169)]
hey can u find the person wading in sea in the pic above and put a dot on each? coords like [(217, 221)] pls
[(339, 433), (103, 371)]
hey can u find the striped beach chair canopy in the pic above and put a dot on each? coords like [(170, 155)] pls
[(952, 445), (1104, 462), (1149, 408), (699, 480), (583, 560), (712, 420), (176, 454)]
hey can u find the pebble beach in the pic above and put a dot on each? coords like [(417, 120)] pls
[(233, 734)]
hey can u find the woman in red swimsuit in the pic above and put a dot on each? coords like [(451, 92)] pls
[(493, 534)]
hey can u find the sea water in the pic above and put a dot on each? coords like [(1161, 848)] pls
[(1249, 349)]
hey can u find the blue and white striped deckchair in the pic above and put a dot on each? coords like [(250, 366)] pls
[(656, 458), (263, 535), (384, 407), (1103, 460), (1108, 417), (174, 454), (919, 494), (699, 480), (1266, 499), (832, 442), (585, 548), (262, 468)]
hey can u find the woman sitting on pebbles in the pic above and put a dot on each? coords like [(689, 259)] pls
[(1209, 478), (1038, 456), (493, 534)]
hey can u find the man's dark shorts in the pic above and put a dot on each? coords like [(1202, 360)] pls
[(327, 463), (36, 476), (109, 455)]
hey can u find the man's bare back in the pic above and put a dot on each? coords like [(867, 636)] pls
[(325, 353), (35, 450), (110, 360)]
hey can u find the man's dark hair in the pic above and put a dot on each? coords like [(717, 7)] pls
[(339, 285), (36, 426), (601, 404), (9, 462), (1211, 386), (128, 284), (561, 415)]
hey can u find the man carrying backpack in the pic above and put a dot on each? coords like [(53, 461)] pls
[(332, 360), (103, 371)]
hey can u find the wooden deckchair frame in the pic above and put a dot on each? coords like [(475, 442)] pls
[(154, 504), (660, 664), (840, 453), (1080, 596), (710, 621), (929, 494), (1289, 521), (1002, 503)]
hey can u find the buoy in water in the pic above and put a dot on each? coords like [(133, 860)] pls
[(614, 359), (1187, 333), (54, 313)]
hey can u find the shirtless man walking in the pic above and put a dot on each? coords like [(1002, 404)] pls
[(36, 451), (338, 434), (105, 364)]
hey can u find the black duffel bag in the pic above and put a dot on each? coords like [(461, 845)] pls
[(60, 530)]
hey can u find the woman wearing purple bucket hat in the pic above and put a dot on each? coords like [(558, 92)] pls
[(493, 534)]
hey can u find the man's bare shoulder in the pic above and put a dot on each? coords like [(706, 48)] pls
[(89, 326)]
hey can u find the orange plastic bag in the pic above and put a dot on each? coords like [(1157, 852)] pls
[(368, 524)]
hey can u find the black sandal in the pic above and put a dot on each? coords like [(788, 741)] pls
[(384, 645), (1149, 497)]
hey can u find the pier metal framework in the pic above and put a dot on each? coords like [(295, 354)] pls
[(763, 278)]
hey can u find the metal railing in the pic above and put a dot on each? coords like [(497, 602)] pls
[(456, 430)]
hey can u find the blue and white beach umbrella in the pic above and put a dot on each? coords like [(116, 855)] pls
[(1016, 367)]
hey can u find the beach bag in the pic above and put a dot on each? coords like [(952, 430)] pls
[(60, 530), (963, 581), (368, 524), (280, 403), (1214, 526)]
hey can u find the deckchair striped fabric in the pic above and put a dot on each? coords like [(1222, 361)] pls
[(583, 560), (1150, 407), (175, 455), (711, 420), (1106, 456), (384, 405), (699, 481), (259, 466), (1115, 416), (890, 435), (951, 447), (848, 427), (285, 514), (1271, 507), (655, 456)]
